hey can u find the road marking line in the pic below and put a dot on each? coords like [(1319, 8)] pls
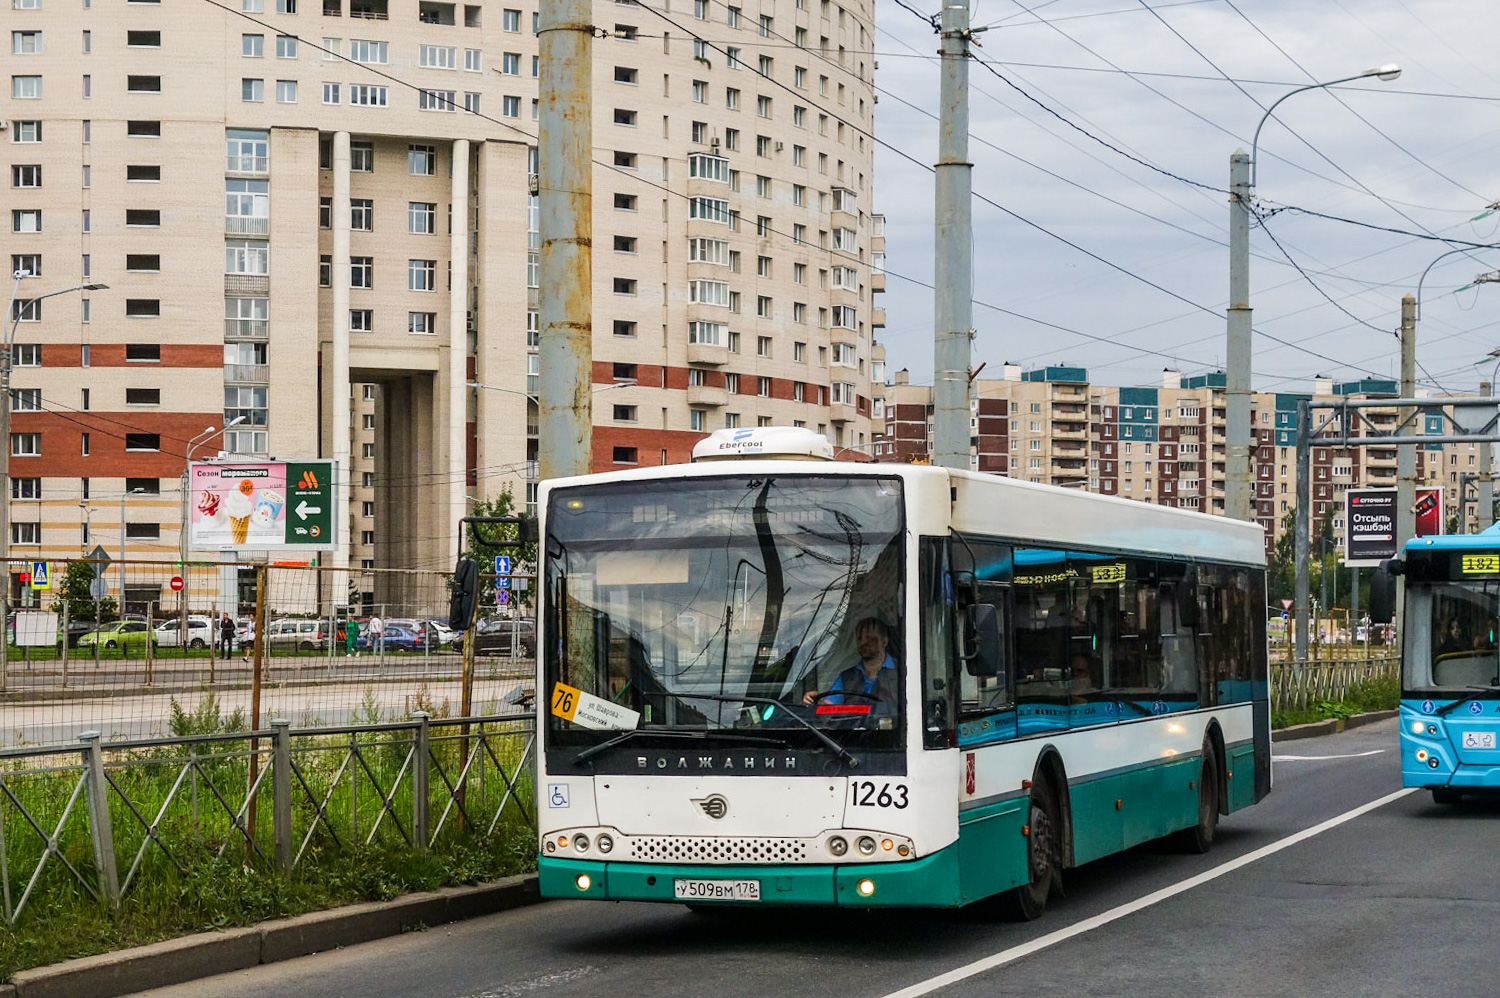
[(1315, 758), (1015, 953), (535, 983)]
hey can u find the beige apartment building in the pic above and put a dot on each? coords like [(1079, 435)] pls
[(317, 217)]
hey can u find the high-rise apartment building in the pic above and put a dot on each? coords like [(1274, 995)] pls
[(317, 217)]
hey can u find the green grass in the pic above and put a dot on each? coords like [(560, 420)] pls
[(1382, 693), (349, 858)]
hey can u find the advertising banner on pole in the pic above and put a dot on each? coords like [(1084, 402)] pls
[(265, 506), (1369, 526), (1429, 506)]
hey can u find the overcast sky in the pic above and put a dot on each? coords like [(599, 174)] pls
[(1418, 154)]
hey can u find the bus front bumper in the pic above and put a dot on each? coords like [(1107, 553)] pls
[(931, 881)]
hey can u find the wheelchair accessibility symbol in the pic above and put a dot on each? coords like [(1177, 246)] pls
[(557, 795)]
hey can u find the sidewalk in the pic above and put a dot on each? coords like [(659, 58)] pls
[(207, 954)]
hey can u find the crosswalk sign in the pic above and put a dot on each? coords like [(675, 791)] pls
[(39, 577)]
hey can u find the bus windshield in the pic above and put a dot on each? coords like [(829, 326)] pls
[(674, 599), (1451, 637)]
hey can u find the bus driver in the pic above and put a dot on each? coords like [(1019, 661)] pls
[(875, 673)]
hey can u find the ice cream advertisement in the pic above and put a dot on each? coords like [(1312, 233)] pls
[(261, 506)]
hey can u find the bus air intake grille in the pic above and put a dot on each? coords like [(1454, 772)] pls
[(713, 849)]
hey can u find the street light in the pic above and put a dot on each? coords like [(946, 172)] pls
[(132, 492), (16, 308), (1237, 351)]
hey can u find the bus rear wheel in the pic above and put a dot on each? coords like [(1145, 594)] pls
[(1043, 839), (1200, 838)]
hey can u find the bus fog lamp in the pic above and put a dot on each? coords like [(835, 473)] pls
[(552, 847), (1417, 727), (583, 881), (1432, 729), (865, 888), (1421, 755), (1432, 763), (866, 845), (581, 843), (605, 843), (837, 846)]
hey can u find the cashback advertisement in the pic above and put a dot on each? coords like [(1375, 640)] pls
[(269, 506)]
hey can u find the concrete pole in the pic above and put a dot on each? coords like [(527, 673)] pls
[(953, 318), (1406, 457), (1237, 348), (457, 471), (1301, 543), (565, 195), (338, 375), (1485, 515)]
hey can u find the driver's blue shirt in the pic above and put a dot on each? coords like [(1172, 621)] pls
[(868, 686)]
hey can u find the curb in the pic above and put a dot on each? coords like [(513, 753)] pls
[(1330, 726), (207, 954)]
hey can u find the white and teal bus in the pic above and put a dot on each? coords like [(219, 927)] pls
[(772, 679)]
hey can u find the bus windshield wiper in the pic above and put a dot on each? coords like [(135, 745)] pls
[(692, 736), (839, 752)]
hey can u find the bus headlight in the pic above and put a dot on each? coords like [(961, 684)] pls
[(1417, 727), (1421, 755), (865, 888), (583, 881), (605, 843), (837, 846), (581, 842), (866, 845)]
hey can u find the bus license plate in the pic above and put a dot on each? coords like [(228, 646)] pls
[(716, 890), (1479, 739)]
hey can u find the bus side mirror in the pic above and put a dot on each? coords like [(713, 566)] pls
[(465, 594), (982, 651), (1383, 592)]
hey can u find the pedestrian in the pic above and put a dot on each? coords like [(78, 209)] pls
[(377, 635), (249, 642), (351, 637), (226, 636)]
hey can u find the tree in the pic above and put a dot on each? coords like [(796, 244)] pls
[(478, 545), (74, 595)]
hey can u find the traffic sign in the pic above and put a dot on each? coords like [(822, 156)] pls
[(98, 588), (1286, 604), (176, 583), (1285, 615), (502, 564), (502, 597), (99, 559), (39, 577)]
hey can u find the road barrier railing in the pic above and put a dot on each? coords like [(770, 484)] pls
[(1300, 684), (102, 817)]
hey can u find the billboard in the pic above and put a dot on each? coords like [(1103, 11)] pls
[(1369, 526), (1429, 506), (266, 506)]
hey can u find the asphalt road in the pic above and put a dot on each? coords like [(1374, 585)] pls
[(1403, 898)]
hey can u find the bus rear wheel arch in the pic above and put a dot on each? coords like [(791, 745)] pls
[(1199, 838), (1046, 837)]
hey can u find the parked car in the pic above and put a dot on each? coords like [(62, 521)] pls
[(397, 638), (201, 633), (435, 639), (302, 635), (445, 634), (76, 630), (495, 636), (131, 635)]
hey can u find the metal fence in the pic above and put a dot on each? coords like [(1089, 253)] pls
[(104, 818), (302, 650), (1301, 684)]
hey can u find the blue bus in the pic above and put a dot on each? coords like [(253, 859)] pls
[(1450, 662)]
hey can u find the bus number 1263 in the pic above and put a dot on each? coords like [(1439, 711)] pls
[(866, 793)]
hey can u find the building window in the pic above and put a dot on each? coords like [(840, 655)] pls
[(361, 320), (26, 220), (421, 161), (367, 51), (286, 91), (421, 217), (437, 100), (362, 157), (252, 90), (245, 256), (143, 441), (330, 93), (437, 56), (361, 271), (473, 60), (424, 323), (26, 533), (421, 275), (625, 455), (364, 95), (361, 214), (707, 333), (286, 46)]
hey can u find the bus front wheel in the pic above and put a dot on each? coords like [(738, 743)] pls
[(1043, 841)]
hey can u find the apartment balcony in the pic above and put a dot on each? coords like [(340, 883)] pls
[(1070, 431), (1061, 465), (707, 395), (838, 334), (711, 354), (246, 329), (877, 281), (877, 315), (247, 164), (842, 412), (533, 470), (247, 374), (1068, 448), (1078, 393), (246, 225), (533, 430)]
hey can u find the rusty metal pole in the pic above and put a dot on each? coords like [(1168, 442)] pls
[(260, 628), (564, 188), (953, 317)]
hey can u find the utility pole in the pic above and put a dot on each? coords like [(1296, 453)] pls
[(1406, 457), (565, 194), (1301, 543), (1485, 514), (954, 266), (1237, 350)]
